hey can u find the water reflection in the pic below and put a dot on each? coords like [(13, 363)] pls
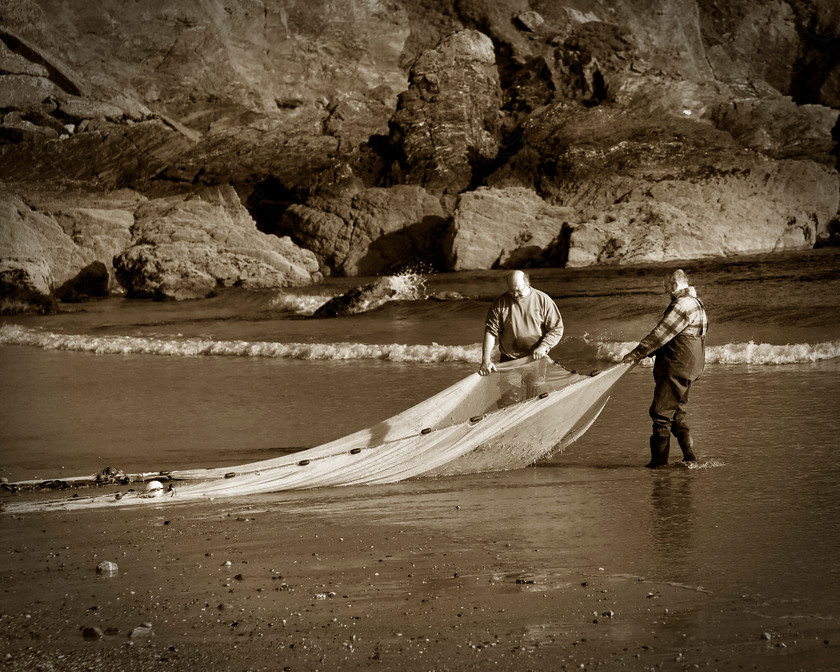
[(673, 517)]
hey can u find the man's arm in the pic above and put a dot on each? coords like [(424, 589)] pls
[(672, 323), (487, 366), (553, 330)]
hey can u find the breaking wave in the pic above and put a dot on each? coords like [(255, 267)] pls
[(196, 347), (738, 353), (610, 351)]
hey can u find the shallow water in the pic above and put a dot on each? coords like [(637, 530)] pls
[(243, 377)]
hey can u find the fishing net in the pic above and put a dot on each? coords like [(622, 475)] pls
[(513, 417)]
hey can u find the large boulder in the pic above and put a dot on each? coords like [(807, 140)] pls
[(26, 281), (370, 231), (780, 206), (97, 226), (502, 228), (188, 246), (61, 232)]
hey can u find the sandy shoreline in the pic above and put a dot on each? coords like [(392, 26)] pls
[(261, 585)]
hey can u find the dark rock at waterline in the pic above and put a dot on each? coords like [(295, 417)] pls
[(358, 300), (90, 283), (408, 286), (447, 295)]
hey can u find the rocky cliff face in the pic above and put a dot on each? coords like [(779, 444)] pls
[(192, 145)]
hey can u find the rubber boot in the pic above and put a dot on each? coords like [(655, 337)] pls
[(659, 447), (686, 444)]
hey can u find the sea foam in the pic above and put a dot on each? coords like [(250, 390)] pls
[(737, 353), (198, 347), (176, 346)]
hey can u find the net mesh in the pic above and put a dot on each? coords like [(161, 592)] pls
[(524, 411)]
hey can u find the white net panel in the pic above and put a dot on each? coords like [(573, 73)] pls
[(507, 420)]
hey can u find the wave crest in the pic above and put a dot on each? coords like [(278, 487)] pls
[(610, 351), (737, 353), (197, 347)]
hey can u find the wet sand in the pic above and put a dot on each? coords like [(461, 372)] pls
[(286, 584)]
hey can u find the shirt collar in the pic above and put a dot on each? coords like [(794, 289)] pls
[(685, 291)]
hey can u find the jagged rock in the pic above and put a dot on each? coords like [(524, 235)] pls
[(502, 228), (530, 20), (23, 91), (370, 231), (780, 128), (107, 154), (76, 109), (189, 246), (313, 80), (91, 282), (446, 124)]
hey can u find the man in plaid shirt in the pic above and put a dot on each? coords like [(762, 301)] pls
[(678, 343)]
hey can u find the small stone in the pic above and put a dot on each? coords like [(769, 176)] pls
[(144, 630), (92, 632), (107, 568), (766, 635)]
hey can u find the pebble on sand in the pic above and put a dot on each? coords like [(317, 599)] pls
[(107, 568), (92, 632)]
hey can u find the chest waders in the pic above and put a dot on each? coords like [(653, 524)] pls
[(678, 363)]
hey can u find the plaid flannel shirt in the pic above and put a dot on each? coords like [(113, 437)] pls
[(684, 313)]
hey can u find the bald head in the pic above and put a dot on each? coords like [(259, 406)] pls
[(519, 284)]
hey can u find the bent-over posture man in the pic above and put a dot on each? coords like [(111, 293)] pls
[(678, 343), (525, 321)]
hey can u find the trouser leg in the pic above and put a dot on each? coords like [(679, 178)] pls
[(679, 428), (669, 397)]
